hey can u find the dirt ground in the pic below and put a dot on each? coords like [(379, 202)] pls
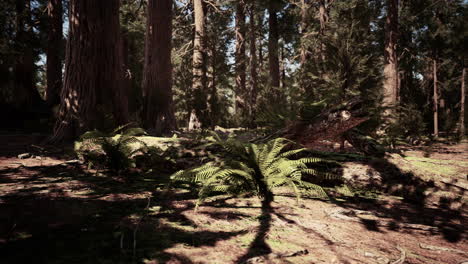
[(53, 210)]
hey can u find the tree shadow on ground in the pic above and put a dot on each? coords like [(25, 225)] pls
[(259, 246), (420, 210), (57, 226)]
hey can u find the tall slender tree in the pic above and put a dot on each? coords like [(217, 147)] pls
[(198, 102), (241, 91), (462, 104), (54, 49), (253, 63), (435, 98), (158, 113), (26, 93), (273, 47), (390, 85), (304, 47), (93, 70)]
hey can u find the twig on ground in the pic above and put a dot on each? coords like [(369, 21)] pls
[(402, 258), (436, 248)]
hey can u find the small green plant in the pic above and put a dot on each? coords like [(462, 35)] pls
[(113, 150), (255, 169)]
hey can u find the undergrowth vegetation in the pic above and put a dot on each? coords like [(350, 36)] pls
[(248, 168), (112, 150)]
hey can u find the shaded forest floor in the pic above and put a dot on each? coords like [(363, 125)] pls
[(408, 208)]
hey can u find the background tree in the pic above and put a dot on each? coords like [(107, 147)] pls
[(253, 62), (390, 86), (273, 50), (26, 93), (158, 112), (198, 112), (241, 90), (54, 50)]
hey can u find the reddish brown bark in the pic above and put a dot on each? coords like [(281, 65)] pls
[(158, 113), (462, 103), (93, 70), (435, 99)]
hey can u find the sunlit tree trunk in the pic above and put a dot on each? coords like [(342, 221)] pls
[(253, 63), (93, 70), (54, 49), (198, 104), (273, 59), (241, 92), (390, 83), (158, 111)]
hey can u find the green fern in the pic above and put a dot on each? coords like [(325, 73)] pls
[(113, 150), (256, 169)]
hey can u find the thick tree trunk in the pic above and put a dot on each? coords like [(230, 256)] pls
[(462, 104), (273, 59), (390, 84), (158, 113), (253, 64), (435, 99), (54, 49), (241, 93), (93, 70), (26, 93), (198, 104)]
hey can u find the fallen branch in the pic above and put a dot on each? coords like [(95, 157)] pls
[(436, 248), (402, 258)]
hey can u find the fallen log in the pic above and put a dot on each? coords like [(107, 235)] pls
[(335, 124)]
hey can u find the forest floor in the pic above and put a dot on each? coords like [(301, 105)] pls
[(54, 211)]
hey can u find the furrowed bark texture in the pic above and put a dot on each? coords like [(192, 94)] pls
[(198, 100), (158, 113), (93, 70), (390, 85)]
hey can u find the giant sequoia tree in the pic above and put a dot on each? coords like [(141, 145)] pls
[(158, 113), (93, 70)]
